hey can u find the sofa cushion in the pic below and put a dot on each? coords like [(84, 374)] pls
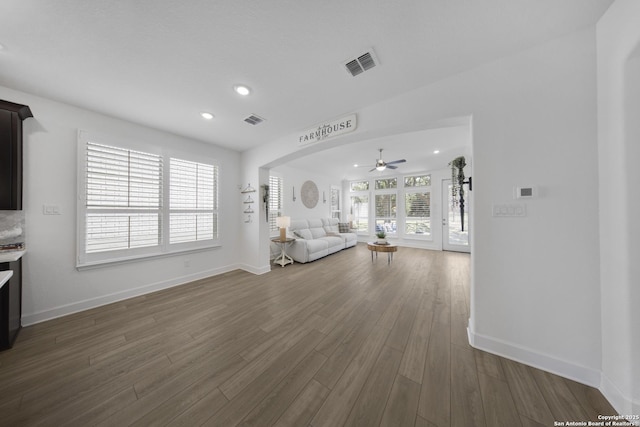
[(350, 239), (331, 229), (334, 243), (303, 233), (330, 225), (297, 224), (343, 227), (317, 233), (303, 250)]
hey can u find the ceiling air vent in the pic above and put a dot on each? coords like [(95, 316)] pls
[(362, 63), (254, 120)]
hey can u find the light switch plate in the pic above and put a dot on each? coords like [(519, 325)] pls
[(50, 210)]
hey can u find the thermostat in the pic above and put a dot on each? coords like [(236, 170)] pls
[(526, 192)]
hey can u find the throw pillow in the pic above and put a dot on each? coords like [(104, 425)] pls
[(343, 227)]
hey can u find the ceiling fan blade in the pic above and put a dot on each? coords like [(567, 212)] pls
[(396, 161), (391, 167), (372, 170)]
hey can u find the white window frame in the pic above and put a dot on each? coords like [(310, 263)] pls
[(356, 219), (351, 190), (400, 191), (412, 190), (275, 198), (87, 260), (336, 211), (194, 210), (385, 192)]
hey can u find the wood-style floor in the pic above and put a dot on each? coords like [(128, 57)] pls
[(340, 341)]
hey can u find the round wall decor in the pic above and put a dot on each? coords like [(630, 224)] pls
[(309, 194)]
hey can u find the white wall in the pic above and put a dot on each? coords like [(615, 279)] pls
[(51, 284), (294, 178), (618, 41), (536, 293)]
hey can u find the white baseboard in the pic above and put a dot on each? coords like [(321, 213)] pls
[(622, 403), (255, 270), (64, 310), (581, 374), (594, 378)]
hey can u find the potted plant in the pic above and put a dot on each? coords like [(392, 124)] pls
[(381, 237), (457, 182)]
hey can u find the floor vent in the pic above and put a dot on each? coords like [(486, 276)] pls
[(362, 63), (254, 120)]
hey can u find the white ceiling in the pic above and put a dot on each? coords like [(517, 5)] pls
[(161, 62)]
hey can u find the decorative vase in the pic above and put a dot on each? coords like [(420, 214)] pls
[(381, 241)]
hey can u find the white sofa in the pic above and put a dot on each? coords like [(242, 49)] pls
[(317, 238)]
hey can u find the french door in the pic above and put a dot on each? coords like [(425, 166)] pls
[(455, 221)]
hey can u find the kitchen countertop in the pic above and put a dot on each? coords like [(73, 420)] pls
[(9, 256), (5, 276)]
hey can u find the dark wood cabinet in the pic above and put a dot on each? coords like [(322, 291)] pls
[(11, 117), (11, 304)]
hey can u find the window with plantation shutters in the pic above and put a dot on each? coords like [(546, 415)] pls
[(135, 203), (386, 209), (401, 206), (418, 213), (360, 212), (193, 201), (336, 212), (275, 201), (123, 198)]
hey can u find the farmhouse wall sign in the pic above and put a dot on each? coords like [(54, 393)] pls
[(328, 130)]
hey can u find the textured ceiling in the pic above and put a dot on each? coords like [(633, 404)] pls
[(161, 62)]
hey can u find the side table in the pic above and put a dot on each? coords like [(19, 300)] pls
[(283, 259)]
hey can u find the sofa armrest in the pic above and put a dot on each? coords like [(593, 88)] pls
[(298, 251)]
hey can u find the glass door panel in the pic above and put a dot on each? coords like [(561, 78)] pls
[(455, 220)]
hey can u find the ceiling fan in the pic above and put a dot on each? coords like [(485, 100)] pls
[(382, 165)]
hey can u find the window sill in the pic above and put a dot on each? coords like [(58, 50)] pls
[(90, 265), (426, 237)]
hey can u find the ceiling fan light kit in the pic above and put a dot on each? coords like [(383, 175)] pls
[(382, 165)]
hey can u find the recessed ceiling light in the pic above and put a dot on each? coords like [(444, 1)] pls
[(206, 115), (355, 165), (436, 151), (242, 90)]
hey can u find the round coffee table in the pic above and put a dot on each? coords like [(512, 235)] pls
[(388, 248)]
